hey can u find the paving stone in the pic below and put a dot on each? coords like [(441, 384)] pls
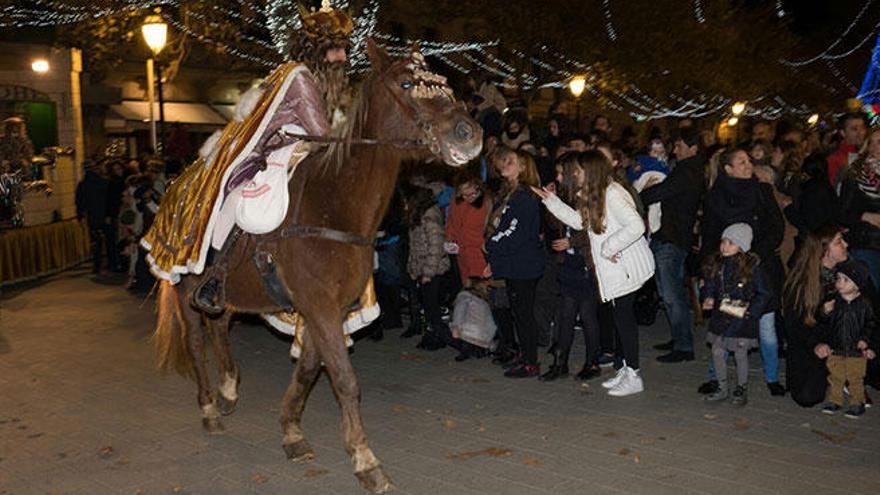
[(77, 377)]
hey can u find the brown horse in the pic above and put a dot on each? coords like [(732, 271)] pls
[(344, 189)]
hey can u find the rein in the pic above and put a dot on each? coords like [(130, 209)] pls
[(427, 139)]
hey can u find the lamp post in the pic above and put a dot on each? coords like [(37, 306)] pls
[(155, 33), (577, 85)]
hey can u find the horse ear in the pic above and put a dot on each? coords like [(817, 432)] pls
[(379, 58)]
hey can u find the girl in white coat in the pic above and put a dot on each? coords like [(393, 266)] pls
[(620, 252)]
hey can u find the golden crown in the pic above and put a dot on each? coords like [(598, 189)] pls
[(327, 23)]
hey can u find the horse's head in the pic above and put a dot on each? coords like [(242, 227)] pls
[(422, 108)]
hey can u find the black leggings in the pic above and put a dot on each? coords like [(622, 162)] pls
[(569, 309), (522, 302), (627, 330)]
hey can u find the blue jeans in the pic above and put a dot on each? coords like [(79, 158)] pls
[(670, 277), (870, 257), (769, 349)]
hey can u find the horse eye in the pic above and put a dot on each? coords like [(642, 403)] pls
[(406, 85)]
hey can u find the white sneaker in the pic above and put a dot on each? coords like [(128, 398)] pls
[(614, 380), (629, 385)]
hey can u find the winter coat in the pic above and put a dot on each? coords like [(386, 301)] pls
[(623, 260), (733, 200), (91, 199), (725, 284), (679, 197), (814, 206), (838, 160), (514, 250), (847, 324), (426, 255), (853, 204), (465, 227)]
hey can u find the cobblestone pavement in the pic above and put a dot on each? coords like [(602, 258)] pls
[(82, 411)]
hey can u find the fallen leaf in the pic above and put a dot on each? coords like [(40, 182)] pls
[(846, 437), (399, 409), (661, 438), (529, 461), (742, 424), (106, 452), (259, 478), (176, 489), (545, 437), (482, 428), (805, 425), (637, 459), (123, 462), (312, 474), (450, 424), (624, 451), (710, 416), (410, 356), (491, 452), (647, 441), (610, 434)]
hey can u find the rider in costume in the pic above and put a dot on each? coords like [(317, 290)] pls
[(239, 182)]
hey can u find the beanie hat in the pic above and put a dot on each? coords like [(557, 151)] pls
[(856, 271), (739, 234)]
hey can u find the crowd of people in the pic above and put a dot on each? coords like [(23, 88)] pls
[(775, 239)]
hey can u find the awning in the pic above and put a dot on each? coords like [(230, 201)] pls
[(184, 113)]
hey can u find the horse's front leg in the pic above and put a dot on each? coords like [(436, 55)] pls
[(327, 334), (230, 377), (308, 367)]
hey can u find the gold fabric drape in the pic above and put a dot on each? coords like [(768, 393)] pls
[(30, 252), (176, 239)]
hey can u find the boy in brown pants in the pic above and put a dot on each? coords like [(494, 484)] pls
[(849, 320)]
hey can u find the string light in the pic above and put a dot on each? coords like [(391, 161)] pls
[(281, 17), (825, 52)]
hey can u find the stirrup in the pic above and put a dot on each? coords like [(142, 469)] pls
[(211, 304)]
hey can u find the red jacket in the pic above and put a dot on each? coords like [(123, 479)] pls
[(838, 160)]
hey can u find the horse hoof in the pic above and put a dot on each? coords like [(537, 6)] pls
[(226, 406), (299, 452), (213, 425), (375, 480)]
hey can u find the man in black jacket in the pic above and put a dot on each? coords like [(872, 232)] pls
[(91, 204), (679, 197)]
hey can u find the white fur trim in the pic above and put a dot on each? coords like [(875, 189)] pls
[(211, 143), (247, 103)]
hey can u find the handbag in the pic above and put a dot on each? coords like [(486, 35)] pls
[(733, 307)]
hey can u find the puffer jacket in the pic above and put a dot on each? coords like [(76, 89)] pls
[(426, 255), (623, 238), (847, 324)]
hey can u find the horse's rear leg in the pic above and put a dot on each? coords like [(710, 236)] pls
[(308, 367), (328, 337), (195, 340), (227, 398)]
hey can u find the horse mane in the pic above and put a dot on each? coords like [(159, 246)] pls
[(335, 154)]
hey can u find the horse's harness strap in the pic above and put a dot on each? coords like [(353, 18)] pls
[(325, 233)]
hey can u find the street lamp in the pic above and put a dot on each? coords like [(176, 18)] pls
[(732, 121), (40, 66), (738, 108), (155, 32), (813, 120), (577, 85)]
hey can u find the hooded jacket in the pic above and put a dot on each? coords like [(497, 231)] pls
[(847, 324)]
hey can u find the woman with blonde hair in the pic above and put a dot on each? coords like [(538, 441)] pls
[(623, 261), (515, 252)]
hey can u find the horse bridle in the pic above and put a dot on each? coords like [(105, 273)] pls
[(428, 139)]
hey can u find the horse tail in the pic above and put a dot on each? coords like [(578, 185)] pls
[(172, 353)]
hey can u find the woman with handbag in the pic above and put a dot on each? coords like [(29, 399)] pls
[(623, 261), (737, 292)]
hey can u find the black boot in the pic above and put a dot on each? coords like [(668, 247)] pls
[(210, 296), (558, 369)]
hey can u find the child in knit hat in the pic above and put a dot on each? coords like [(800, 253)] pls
[(849, 320), (737, 292)]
